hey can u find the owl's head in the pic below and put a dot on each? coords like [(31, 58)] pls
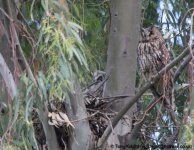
[(148, 34), (145, 34)]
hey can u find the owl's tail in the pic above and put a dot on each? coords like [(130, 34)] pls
[(164, 89)]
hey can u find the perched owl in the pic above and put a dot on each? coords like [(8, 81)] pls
[(152, 57)]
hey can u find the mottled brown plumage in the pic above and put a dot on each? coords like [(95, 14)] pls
[(152, 57)]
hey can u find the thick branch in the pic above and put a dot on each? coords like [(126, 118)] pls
[(8, 77), (139, 94)]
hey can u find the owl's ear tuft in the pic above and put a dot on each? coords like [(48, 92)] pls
[(142, 29)]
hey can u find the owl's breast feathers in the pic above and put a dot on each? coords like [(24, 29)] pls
[(152, 56), (150, 59)]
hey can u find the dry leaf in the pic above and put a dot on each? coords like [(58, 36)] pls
[(59, 119)]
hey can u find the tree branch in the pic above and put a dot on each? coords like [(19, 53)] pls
[(8, 77), (139, 94), (181, 67)]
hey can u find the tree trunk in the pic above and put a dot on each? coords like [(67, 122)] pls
[(121, 63), (51, 138), (76, 110)]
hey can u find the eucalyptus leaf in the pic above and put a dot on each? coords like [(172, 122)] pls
[(41, 84)]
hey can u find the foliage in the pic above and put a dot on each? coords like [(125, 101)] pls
[(150, 12), (16, 126), (188, 135), (62, 51), (56, 56), (94, 16)]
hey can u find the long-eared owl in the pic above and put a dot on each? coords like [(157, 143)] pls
[(153, 55)]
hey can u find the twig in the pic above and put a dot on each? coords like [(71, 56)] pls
[(138, 126), (191, 64), (6, 15), (181, 67), (150, 106), (139, 94), (85, 118), (188, 59), (117, 97), (103, 113), (186, 15), (170, 140), (163, 126), (20, 49), (34, 38)]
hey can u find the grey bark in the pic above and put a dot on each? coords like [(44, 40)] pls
[(51, 138), (8, 78), (121, 63), (76, 110)]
